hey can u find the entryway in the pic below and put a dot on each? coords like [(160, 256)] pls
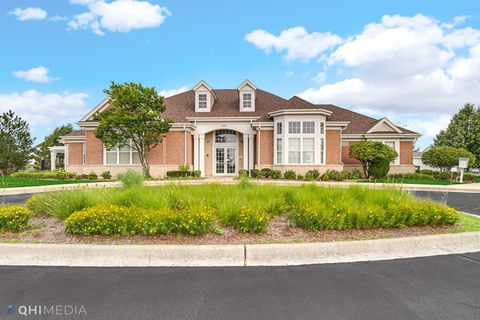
[(225, 160)]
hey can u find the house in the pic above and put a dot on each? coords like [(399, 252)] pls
[(220, 131)]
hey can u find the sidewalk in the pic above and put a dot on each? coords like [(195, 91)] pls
[(472, 187)]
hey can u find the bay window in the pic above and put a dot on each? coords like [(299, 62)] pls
[(308, 150), (279, 150), (294, 150)]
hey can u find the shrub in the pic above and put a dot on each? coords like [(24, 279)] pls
[(184, 167), (469, 177), (131, 178), (332, 175), (290, 175), (444, 175), (92, 176), (14, 218), (378, 169), (275, 174), (445, 158), (266, 172), (355, 174), (252, 220), (312, 175), (373, 153), (179, 174), (255, 173), (300, 177), (106, 175), (414, 176), (196, 173), (242, 173), (83, 176), (112, 219), (57, 175), (426, 171)]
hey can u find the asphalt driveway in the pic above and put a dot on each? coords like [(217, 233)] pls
[(443, 287)]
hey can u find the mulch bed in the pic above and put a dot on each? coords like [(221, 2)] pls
[(50, 230)]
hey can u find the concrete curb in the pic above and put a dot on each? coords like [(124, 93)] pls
[(470, 188), (237, 255)]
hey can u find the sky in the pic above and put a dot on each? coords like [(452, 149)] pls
[(414, 62)]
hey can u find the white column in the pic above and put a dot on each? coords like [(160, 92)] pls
[(196, 163), (53, 158), (250, 151), (201, 165), (245, 151)]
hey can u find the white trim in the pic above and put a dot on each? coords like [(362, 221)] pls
[(221, 119), (299, 112), (246, 83), (131, 151), (99, 107), (384, 121), (252, 101)]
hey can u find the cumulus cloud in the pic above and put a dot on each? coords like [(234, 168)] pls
[(37, 74), (172, 92), (43, 109), (29, 13), (118, 15), (297, 42)]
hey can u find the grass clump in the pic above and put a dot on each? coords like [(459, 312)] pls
[(14, 218), (131, 178)]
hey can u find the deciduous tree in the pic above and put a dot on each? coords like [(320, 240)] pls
[(372, 154)]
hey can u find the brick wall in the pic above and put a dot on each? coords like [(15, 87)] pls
[(75, 153), (175, 147), (266, 147), (406, 152), (333, 145), (94, 148), (345, 155)]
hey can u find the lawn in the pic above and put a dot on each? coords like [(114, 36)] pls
[(410, 181), (9, 182)]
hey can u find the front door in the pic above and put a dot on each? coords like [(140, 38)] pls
[(225, 160)]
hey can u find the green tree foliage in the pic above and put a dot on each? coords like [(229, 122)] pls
[(15, 142), (43, 155), (463, 131), (445, 157), (134, 118), (374, 154)]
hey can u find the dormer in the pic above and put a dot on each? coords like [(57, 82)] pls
[(247, 94), (204, 97)]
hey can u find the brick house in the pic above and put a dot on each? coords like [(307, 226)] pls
[(220, 131)]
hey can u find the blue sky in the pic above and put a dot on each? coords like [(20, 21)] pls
[(415, 62)]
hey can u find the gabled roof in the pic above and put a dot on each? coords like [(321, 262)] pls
[(384, 126)]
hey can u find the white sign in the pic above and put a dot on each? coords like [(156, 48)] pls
[(463, 163)]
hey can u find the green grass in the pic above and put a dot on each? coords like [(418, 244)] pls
[(410, 181), (9, 182), (468, 223)]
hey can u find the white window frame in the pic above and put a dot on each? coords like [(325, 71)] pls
[(117, 150), (242, 101), (201, 101), (197, 101)]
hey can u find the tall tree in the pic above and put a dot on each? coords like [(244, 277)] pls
[(463, 131), (15, 142), (43, 155), (134, 118)]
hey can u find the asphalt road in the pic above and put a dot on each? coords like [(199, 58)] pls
[(443, 287), (466, 202)]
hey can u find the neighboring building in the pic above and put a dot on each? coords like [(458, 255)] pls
[(220, 131), (418, 163)]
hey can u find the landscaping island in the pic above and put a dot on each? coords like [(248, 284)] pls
[(215, 214)]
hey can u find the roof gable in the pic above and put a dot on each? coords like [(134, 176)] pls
[(384, 125)]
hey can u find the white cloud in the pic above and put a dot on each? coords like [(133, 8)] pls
[(118, 15), (289, 74), (56, 18), (172, 92), (320, 77), (43, 109), (29, 13), (297, 42), (37, 74)]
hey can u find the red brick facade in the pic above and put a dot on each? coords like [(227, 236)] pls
[(333, 144)]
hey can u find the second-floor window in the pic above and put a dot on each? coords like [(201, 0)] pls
[(202, 101), (247, 100)]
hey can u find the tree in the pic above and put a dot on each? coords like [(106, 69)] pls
[(15, 142), (463, 131), (445, 157), (371, 153), (51, 140), (134, 119)]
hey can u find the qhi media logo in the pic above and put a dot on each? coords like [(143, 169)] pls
[(53, 310)]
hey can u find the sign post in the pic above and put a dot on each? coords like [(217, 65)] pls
[(462, 164)]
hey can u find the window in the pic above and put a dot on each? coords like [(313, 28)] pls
[(322, 149), (225, 136), (308, 150), (202, 101), (124, 155), (279, 127), (294, 150), (279, 150), (322, 127), (84, 154), (391, 144), (308, 127), (294, 127), (247, 100)]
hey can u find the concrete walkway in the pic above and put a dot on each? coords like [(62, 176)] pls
[(472, 187), (237, 255)]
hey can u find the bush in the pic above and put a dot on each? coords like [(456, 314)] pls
[(252, 220), (106, 175), (266, 172), (312, 175), (184, 167), (14, 218), (445, 158), (112, 219), (196, 173), (375, 154), (300, 177), (469, 177), (332, 175), (275, 174), (355, 174), (378, 169), (444, 175), (255, 173), (92, 176), (242, 173), (414, 176), (57, 175), (131, 178), (290, 175), (179, 174), (426, 171)]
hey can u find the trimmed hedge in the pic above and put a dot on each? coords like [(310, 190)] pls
[(183, 174), (290, 175), (58, 175), (312, 175), (108, 219), (14, 218), (416, 176)]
